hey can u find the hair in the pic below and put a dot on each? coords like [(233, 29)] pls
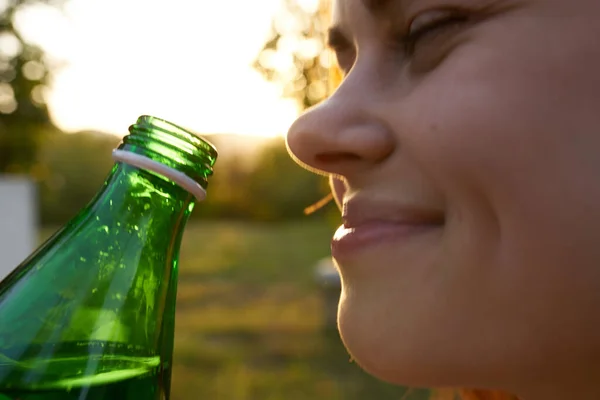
[(469, 394), (335, 78)]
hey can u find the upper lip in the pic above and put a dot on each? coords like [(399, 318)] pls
[(362, 211)]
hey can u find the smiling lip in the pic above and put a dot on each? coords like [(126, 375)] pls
[(368, 224)]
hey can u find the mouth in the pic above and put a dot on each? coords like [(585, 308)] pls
[(369, 224)]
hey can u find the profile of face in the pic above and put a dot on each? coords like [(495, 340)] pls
[(464, 146)]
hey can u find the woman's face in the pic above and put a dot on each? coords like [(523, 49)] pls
[(466, 135)]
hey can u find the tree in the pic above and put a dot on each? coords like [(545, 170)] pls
[(24, 73), (295, 55)]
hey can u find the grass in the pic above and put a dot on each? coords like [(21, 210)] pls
[(251, 318)]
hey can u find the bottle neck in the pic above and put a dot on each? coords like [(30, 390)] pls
[(143, 215), (133, 193), (114, 264), (164, 171)]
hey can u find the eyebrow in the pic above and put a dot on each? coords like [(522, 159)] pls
[(336, 39), (376, 6)]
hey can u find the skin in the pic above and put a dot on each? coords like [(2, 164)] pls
[(493, 120)]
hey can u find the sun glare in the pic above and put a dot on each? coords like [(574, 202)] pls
[(185, 61)]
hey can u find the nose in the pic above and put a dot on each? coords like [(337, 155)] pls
[(343, 135)]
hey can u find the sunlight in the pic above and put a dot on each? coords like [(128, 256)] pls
[(185, 61)]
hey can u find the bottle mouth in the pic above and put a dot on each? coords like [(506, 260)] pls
[(173, 146)]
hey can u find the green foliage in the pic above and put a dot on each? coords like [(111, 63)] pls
[(75, 168), (264, 186), (274, 187), (24, 73)]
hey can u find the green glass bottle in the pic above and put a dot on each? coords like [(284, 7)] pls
[(90, 315)]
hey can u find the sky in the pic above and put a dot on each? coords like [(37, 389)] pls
[(188, 61)]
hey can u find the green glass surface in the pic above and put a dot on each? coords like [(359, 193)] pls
[(91, 314)]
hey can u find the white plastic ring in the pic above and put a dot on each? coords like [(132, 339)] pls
[(140, 161)]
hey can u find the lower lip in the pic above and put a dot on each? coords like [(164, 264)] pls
[(348, 241)]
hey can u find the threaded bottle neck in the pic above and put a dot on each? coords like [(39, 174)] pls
[(169, 151)]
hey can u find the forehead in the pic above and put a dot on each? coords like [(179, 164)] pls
[(373, 7), (353, 18), (342, 9), (355, 12)]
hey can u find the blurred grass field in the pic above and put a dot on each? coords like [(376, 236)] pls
[(250, 319)]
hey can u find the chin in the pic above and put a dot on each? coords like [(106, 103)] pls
[(400, 345), (405, 322)]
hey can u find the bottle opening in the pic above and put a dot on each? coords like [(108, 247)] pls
[(175, 135), (169, 150)]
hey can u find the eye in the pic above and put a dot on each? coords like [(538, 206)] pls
[(429, 23)]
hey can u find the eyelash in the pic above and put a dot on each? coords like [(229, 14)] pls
[(410, 40)]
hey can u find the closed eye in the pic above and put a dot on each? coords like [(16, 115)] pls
[(430, 23)]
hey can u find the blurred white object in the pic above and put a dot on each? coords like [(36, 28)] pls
[(18, 221), (326, 273), (329, 280)]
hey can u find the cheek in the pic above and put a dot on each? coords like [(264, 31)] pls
[(513, 130), (515, 156), (513, 143), (510, 100)]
